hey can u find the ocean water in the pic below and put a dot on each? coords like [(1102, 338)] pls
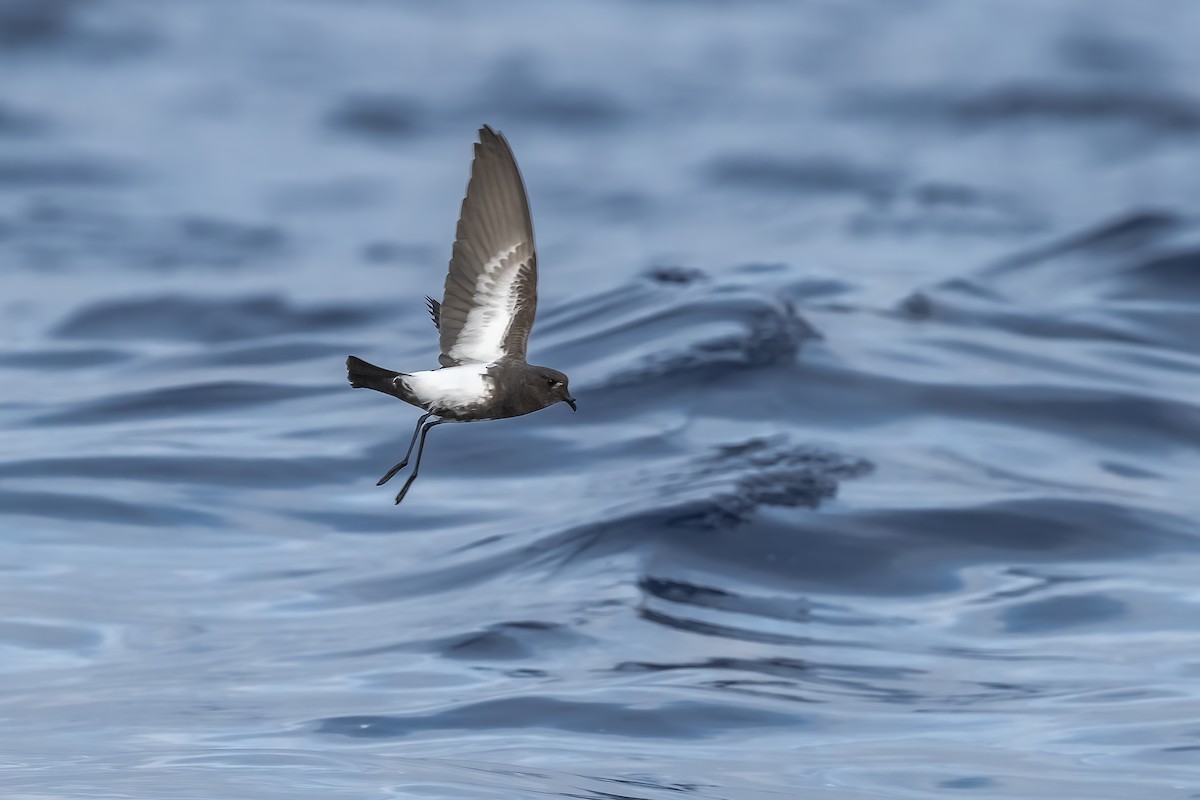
[(883, 321)]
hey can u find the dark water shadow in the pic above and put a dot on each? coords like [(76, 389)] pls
[(672, 720), (177, 401), (85, 509), (198, 319)]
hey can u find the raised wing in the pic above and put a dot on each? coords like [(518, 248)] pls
[(491, 288)]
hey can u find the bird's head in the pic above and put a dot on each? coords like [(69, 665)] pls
[(552, 384)]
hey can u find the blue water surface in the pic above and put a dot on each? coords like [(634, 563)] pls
[(882, 316)]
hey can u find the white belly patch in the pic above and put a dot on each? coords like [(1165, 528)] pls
[(450, 387)]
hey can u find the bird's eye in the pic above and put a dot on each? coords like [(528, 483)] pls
[(551, 382)]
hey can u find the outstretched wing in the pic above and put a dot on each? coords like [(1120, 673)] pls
[(491, 288)]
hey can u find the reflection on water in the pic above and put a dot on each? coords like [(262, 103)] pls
[(882, 319)]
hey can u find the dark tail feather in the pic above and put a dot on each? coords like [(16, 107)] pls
[(368, 376)]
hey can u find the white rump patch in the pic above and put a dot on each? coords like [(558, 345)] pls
[(450, 387), (495, 305)]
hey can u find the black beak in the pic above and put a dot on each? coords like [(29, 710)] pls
[(571, 402)]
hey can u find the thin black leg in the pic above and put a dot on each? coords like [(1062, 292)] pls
[(417, 466), (391, 472)]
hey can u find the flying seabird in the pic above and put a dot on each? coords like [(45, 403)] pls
[(484, 318)]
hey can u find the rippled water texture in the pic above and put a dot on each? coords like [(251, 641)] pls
[(883, 321)]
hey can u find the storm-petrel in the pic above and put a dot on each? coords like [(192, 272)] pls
[(484, 318)]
